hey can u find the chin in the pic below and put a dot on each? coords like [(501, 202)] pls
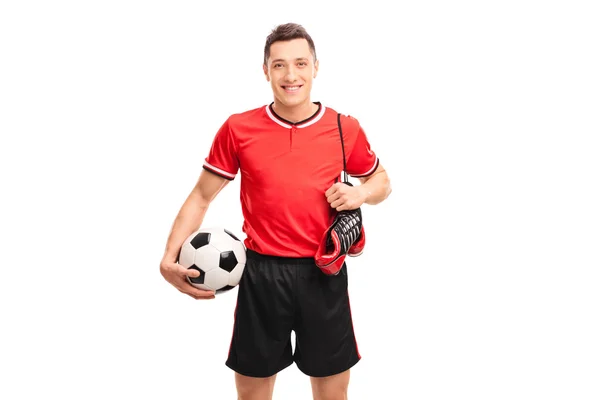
[(291, 102)]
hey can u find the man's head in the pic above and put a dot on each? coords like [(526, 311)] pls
[(290, 64)]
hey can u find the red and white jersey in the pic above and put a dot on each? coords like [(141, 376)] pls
[(285, 170)]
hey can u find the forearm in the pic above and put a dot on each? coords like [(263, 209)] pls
[(376, 188), (188, 220)]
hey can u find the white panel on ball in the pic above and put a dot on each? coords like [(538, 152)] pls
[(187, 255), (216, 278), (236, 275), (240, 251), (207, 258), (221, 240)]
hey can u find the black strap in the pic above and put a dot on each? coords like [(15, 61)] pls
[(345, 174)]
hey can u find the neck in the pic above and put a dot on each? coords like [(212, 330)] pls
[(296, 113)]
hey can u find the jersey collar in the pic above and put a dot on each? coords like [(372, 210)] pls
[(302, 124)]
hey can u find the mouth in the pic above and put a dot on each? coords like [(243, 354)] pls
[(291, 88)]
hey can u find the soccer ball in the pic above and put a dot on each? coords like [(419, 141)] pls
[(218, 255)]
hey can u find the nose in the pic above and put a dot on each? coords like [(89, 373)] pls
[(290, 76)]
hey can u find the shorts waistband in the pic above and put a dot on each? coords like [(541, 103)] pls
[(251, 254)]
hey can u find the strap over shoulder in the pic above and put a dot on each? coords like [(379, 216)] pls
[(344, 172)]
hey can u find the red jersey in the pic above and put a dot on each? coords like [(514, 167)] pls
[(285, 169)]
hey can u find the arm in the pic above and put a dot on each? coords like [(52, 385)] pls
[(192, 212), (188, 220), (376, 187)]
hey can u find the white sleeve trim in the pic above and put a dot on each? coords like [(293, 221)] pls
[(219, 170), (370, 171)]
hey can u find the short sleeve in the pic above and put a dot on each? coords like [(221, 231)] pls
[(222, 158), (362, 161)]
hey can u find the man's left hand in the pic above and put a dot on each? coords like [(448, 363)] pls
[(344, 197)]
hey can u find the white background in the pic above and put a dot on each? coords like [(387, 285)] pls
[(480, 278)]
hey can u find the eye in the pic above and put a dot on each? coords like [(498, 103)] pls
[(302, 64), (278, 65)]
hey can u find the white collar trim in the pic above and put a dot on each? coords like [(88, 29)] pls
[(288, 126)]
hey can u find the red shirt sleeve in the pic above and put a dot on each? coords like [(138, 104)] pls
[(222, 158), (361, 161)]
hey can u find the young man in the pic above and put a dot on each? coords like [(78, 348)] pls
[(289, 156)]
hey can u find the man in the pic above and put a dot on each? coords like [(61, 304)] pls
[(289, 156)]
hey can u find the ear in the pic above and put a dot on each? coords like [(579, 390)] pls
[(316, 69), (266, 72)]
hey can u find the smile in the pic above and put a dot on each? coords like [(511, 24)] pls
[(291, 89)]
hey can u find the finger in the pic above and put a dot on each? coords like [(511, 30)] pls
[(332, 189), (204, 294), (205, 297), (337, 203), (196, 293), (193, 296), (333, 198)]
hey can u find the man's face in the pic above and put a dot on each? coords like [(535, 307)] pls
[(291, 70)]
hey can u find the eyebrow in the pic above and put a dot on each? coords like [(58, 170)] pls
[(297, 59)]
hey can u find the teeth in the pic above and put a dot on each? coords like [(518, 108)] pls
[(292, 88)]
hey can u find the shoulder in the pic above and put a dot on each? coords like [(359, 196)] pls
[(349, 123), (244, 117)]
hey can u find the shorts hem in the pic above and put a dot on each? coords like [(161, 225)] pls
[(323, 374), (253, 374)]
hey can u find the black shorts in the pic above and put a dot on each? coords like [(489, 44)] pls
[(278, 295)]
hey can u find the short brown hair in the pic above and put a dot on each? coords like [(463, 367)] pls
[(286, 32)]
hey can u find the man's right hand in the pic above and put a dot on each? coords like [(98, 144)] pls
[(177, 275)]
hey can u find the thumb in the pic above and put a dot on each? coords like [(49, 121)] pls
[(192, 272)]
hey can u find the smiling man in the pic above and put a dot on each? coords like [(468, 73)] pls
[(289, 156)]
